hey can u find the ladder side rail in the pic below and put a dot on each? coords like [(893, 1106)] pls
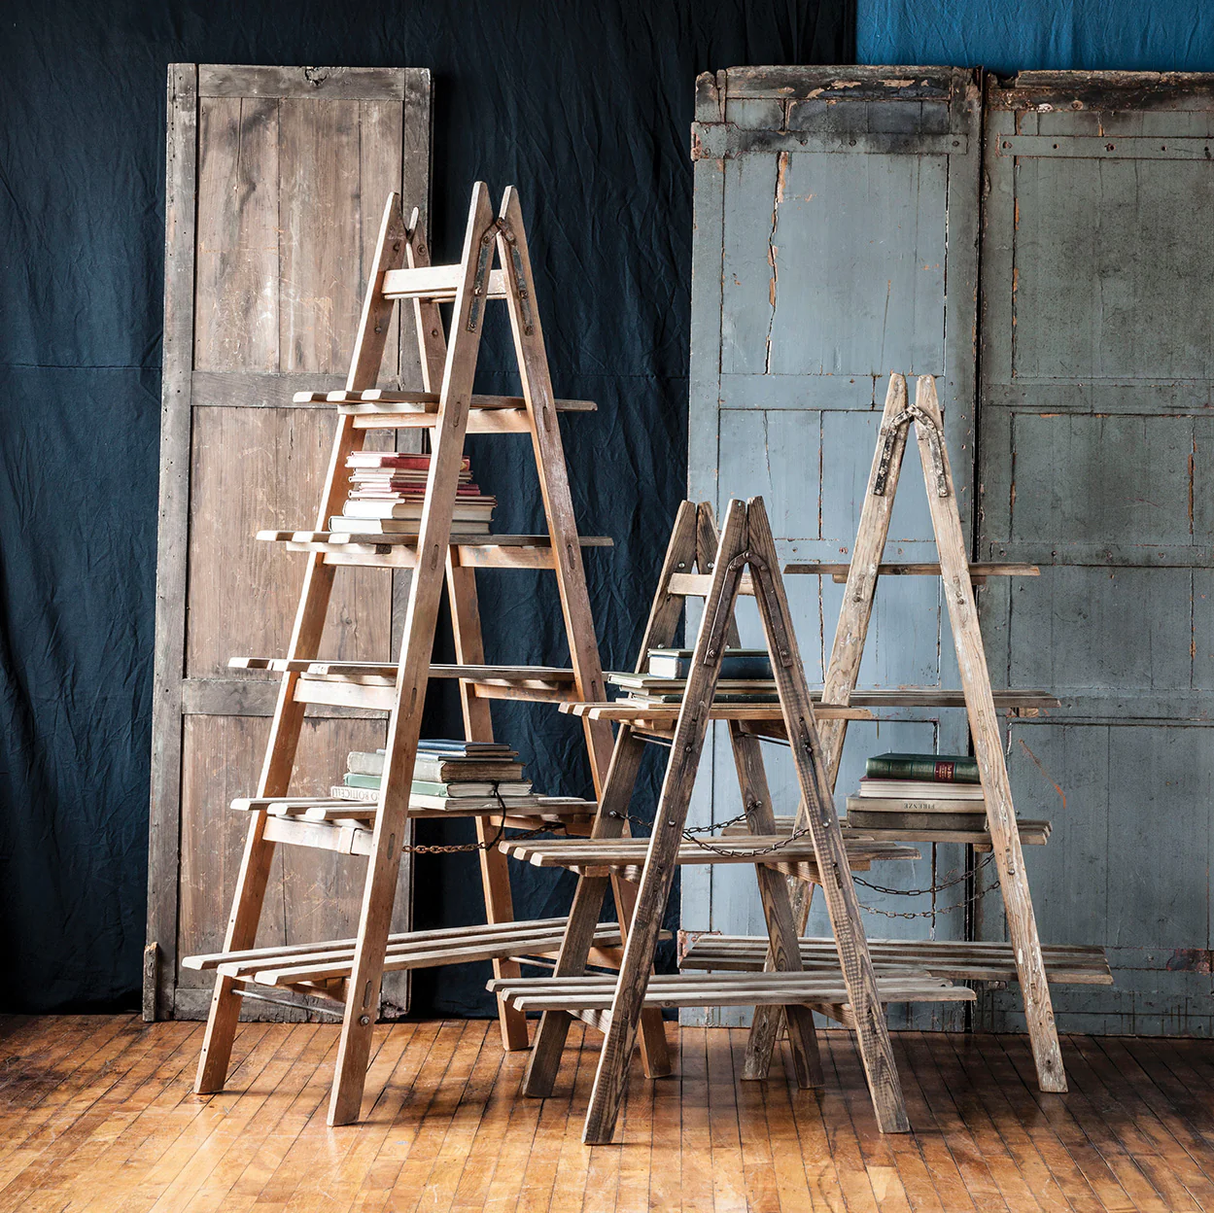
[(413, 668), (478, 726), (843, 667), (768, 1020), (553, 476), (851, 632), (657, 874), (287, 721), (817, 815), (611, 817), (784, 950), (469, 650), (984, 730)]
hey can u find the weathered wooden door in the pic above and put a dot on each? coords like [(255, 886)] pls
[(1097, 462), (832, 207), (277, 179)]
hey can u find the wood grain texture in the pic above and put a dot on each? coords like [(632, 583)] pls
[(413, 673), (611, 819), (988, 749), (250, 232), (172, 524), (1093, 447), (98, 1114), (666, 835)]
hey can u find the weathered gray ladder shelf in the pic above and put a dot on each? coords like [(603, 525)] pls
[(1023, 959), (843, 984), (348, 973)]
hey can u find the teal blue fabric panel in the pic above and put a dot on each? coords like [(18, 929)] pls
[(1005, 36)]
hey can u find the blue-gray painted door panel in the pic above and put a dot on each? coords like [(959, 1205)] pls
[(824, 239), (1095, 461)]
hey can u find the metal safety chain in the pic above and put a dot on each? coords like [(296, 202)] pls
[(954, 877), (458, 848), (690, 832)]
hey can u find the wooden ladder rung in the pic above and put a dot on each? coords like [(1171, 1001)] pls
[(377, 692), (384, 400), (606, 853), (979, 570), (539, 676), (437, 282), (664, 715), (594, 993), (476, 549), (958, 960)]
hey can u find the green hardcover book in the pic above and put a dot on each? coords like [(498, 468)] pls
[(937, 768)]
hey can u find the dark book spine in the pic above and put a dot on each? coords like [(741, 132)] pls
[(926, 767)]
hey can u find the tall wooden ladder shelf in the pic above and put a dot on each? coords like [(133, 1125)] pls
[(348, 973), (1023, 958), (842, 984)]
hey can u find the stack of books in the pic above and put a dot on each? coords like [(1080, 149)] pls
[(746, 677), (387, 492), (446, 771), (919, 792)]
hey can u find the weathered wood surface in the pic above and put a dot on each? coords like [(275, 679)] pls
[(799, 310), (275, 177), (286, 723), (1095, 459)]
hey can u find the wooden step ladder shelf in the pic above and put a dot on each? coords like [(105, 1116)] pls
[(816, 852), (448, 410), (1004, 835)]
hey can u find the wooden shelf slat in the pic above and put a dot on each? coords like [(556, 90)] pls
[(397, 551), (332, 959), (593, 993), (979, 570), (537, 676), (607, 853), (458, 539), (958, 960)]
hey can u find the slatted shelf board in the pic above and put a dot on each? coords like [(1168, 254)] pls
[(979, 570), (331, 960), (957, 960), (475, 549), (1032, 834), (595, 853), (383, 673), (592, 993)]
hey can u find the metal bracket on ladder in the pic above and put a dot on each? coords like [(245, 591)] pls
[(889, 436)]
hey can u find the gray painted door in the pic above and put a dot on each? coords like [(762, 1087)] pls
[(835, 240), (1096, 456)]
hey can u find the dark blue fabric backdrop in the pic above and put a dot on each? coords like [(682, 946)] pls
[(585, 106)]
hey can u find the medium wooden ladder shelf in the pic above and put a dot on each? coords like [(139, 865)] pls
[(348, 973), (843, 985), (1023, 959)]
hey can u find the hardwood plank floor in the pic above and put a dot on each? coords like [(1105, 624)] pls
[(96, 1114)]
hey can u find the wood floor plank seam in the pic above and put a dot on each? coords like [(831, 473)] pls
[(446, 1127)]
